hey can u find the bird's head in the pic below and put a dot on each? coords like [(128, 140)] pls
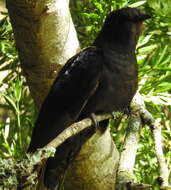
[(126, 18), (123, 26)]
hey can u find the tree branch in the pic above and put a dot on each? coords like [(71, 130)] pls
[(45, 38), (156, 129), (74, 129), (23, 172), (125, 174)]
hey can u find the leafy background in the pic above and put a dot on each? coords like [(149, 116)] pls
[(17, 110)]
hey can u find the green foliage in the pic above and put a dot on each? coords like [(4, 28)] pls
[(146, 167), (15, 99), (154, 59)]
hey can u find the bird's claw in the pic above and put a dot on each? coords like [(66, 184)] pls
[(127, 111), (94, 121)]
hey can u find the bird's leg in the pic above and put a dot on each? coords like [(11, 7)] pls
[(127, 111), (95, 122)]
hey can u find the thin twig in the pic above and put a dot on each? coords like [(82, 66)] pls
[(156, 129), (125, 174), (24, 170), (74, 129)]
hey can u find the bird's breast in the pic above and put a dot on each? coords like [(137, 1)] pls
[(116, 88)]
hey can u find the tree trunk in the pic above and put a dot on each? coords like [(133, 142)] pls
[(3, 112), (2, 9), (45, 39), (96, 165)]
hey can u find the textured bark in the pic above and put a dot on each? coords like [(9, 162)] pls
[(154, 124), (96, 165), (75, 129), (163, 168), (125, 173), (46, 38), (2, 9), (3, 112)]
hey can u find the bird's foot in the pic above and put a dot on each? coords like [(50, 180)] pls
[(94, 121), (127, 111)]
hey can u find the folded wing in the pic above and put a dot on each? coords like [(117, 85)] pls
[(70, 92)]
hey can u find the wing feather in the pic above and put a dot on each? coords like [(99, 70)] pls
[(75, 84)]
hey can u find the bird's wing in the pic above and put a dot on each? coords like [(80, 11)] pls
[(75, 84)]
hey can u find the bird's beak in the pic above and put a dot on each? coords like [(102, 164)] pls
[(145, 17), (141, 26)]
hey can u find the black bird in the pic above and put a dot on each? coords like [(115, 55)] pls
[(100, 79)]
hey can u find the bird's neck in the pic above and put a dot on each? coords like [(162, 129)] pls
[(118, 42), (121, 58)]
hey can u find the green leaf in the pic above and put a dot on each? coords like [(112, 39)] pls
[(144, 41), (18, 89), (11, 102), (162, 54), (7, 127), (163, 68), (146, 50), (137, 4), (99, 6)]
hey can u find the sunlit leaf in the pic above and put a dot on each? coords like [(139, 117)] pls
[(7, 127), (147, 49), (11, 102), (144, 40), (137, 4)]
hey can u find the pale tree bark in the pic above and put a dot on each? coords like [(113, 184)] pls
[(45, 39), (2, 9), (3, 112)]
